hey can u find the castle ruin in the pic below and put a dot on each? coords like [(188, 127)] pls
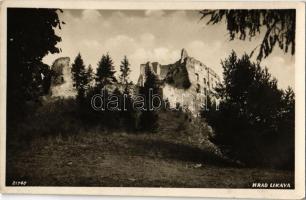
[(187, 82)]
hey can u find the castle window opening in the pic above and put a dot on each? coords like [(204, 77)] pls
[(198, 88), (197, 75)]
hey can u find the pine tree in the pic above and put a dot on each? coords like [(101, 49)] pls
[(105, 72), (277, 26), (89, 75), (128, 114), (255, 118), (79, 77), (125, 70), (77, 70), (148, 118)]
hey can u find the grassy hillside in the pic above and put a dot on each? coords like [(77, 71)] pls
[(66, 153)]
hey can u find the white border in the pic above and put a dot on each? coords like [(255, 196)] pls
[(297, 193)]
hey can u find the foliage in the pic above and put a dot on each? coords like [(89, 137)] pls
[(279, 27), (105, 71), (90, 74), (124, 76), (107, 86), (81, 77), (255, 121), (128, 115), (30, 36), (148, 118), (78, 72), (125, 70)]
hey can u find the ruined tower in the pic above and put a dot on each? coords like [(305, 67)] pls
[(184, 55)]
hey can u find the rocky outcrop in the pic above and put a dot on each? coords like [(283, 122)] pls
[(61, 82)]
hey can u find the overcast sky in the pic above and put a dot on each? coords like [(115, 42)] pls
[(147, 35)]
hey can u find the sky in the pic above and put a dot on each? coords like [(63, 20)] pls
[(157, 35)]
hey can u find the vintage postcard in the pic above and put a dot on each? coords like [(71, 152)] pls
[(156, 98)]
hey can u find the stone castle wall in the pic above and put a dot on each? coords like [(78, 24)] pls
[(202, 78), (61, 83)]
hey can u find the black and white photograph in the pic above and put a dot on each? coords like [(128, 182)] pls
[(168, 97)]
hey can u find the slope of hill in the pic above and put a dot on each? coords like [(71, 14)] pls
[(177, 155)]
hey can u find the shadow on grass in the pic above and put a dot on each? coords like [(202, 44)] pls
[(177, 151)]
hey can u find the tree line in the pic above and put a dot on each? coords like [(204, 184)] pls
[(89, 83)]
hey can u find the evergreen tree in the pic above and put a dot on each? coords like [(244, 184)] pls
[(278, 27), (78, 71), (89, 75), (128, 114), (80, 77), (148, 118), (125, 71), (254, 121), (105, 72)]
